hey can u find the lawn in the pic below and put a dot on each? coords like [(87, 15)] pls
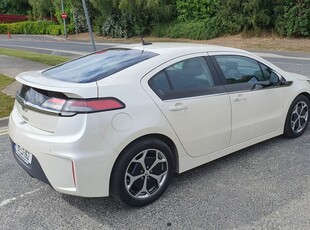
[(38, 57), (6, 102)]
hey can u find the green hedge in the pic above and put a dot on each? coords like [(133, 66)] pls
[(37, 27), (198, 30)]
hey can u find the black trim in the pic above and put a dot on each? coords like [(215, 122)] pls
[(214, 73), (34, 170), (193, 92), (219, 71), (38, 108)]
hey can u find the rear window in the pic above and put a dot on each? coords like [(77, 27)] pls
[(98, 65)]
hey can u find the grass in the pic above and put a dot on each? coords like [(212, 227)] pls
[(38, 57), (6, 102)]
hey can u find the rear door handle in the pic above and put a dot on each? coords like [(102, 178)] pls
[(178, 107), (240, 98)]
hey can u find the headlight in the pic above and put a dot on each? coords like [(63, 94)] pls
[(308, 81)]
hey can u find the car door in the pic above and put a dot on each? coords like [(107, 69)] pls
[(194, 102), (256, 110)]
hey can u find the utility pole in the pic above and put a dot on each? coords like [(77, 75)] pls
[(63, 18), (88, 24)]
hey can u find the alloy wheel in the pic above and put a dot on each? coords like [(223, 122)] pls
[(146, 173), (299, 117)]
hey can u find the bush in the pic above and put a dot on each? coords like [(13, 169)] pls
[(193, 10), (38, 27), (192, 30), (293, 18), (3, 28), (9, 18)]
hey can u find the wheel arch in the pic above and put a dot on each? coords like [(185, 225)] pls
[(305, 94), (158, 136), (286, 131)]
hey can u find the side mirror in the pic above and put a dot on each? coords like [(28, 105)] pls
[(274, 78)]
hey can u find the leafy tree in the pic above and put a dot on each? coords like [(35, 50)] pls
[(195, 10), (41, 8), (124, 18), (14, 7), (293, 18)]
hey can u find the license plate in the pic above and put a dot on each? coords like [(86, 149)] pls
[(23, 154)]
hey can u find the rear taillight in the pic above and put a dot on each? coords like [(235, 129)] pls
[(71, 107)]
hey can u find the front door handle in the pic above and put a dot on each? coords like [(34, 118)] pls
[(178, 107)]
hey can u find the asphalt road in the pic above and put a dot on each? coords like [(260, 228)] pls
[(49, 45), (266, 186)]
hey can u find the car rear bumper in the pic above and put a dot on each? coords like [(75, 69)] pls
[(78, 163), (34, 169)]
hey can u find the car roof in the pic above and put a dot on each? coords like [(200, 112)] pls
[(184, 48)]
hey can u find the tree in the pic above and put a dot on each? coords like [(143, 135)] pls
[(293, 18), (41, 8), (195, 10), (124, 18), (14, 7)]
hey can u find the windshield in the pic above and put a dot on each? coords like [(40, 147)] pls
[(98, 65)]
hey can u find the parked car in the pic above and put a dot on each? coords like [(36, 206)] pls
[(123, 120)]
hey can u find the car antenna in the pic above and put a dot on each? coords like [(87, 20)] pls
[(145, 43)]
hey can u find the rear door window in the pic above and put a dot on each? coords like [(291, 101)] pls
[(98, 65), (188, 78)]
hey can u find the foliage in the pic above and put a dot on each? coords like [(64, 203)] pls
[(41, 8), (201, 18), (14, 7), (193, 10), (79, 19), (10, 18), (123, 18), (38, 27), (293, 18)]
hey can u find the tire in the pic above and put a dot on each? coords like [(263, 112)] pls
[(142, 173), (297, 117)]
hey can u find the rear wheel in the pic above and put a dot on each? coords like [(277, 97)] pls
[(297, 118), (142, 173)]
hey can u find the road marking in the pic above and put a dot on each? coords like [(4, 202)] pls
[(3, 132), (7, 201), (285, 63), (271, 55)]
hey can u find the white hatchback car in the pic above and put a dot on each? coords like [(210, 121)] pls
[(122, 120)]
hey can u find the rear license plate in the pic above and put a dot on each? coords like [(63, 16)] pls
[(23, 154)]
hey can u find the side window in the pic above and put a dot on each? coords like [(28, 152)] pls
[(266, 71), (190, 77), (238, 69)]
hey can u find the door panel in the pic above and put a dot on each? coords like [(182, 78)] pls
[(256, 110), (255, 113), (204, 123), (194, 103)]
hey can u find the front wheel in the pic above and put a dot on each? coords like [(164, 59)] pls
[(142, 173), (297, 118)]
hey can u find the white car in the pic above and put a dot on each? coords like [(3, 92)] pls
[(122, 120)]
